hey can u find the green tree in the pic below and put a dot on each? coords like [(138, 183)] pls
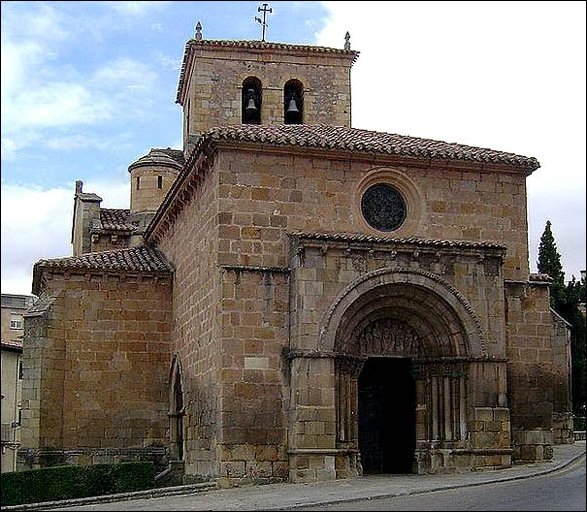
[(549, 262), (565, 300), (575, 294)]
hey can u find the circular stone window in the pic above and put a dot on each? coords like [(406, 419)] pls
[(383, 207)]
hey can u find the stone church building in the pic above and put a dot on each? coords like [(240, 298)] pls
[(289, 298)]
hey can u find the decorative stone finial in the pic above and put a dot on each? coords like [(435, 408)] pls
[(198, 35), (347, 41)]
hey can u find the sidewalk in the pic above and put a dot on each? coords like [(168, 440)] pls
[(292, 496)]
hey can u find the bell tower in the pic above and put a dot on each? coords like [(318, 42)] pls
[(256, 82)]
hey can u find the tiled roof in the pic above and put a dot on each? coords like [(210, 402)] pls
[(135, 259), (15, 345), (252, 45), (176, 154), (115, 219), (161, 157), (265, 45), (364, 141), (540, 278), (357, 237)]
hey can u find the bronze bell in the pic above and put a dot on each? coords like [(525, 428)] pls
[(292, 107), (251, 107)]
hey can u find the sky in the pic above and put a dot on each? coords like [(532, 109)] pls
[(89, 87)]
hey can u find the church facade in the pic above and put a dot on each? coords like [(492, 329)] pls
[(293, 299)]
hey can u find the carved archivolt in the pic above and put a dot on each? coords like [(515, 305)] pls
[(429, 307)]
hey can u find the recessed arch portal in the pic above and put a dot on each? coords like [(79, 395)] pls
[(421, 300), (401, 339)]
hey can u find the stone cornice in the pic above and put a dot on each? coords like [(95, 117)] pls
[(416, 246)]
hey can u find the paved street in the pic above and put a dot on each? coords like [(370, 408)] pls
[(560, 490), (475, 492)]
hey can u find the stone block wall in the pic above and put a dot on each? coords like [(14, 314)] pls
[(109, 242), (96, 363), (190, 244), (218, 72), (254, 401), (489, 447), (563, 428), (530, 369), (264, 196), (312, 436), (145, 194), (562, 419)]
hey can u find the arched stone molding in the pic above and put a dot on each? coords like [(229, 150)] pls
[(176, 411), (413, 197), (448, 312)]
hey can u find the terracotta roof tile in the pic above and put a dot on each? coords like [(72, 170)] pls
[(358, 237), (115, 219), (161, 157), (364, 141), (540, 278), (15, 345), (135, 259)]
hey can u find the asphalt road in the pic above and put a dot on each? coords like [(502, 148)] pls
[(560, 490)]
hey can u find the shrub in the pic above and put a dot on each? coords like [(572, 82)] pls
[(67, 482)]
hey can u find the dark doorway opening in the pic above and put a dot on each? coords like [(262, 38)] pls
[(387, 416)]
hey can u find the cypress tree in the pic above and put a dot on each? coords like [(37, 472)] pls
[(549, 262)]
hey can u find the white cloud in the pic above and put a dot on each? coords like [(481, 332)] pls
[(124, 73), (135, 8), (36, 224), (492, 74), (31, 107)]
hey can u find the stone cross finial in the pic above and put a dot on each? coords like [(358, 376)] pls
[(347, 41), (198, 35)]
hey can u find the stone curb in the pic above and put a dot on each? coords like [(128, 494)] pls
[(125, 496), (414, 492)]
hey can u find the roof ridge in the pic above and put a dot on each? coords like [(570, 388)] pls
[(364, 140), (142, 258)]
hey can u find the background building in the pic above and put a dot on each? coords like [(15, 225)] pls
[(13, 309)]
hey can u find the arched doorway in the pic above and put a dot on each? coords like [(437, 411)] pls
[(387, 414), (402, 341)]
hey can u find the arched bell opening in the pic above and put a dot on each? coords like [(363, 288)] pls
[(176, 412), (252, 100), (293, 102)]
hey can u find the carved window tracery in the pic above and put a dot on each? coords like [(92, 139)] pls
[(383, 207)]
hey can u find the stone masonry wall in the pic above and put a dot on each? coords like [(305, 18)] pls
[(43, 378), (254, 376), (191, 246), (102, 382), (148, 196), (215, 87), (562, 420), (530, 370), (263, 196)]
